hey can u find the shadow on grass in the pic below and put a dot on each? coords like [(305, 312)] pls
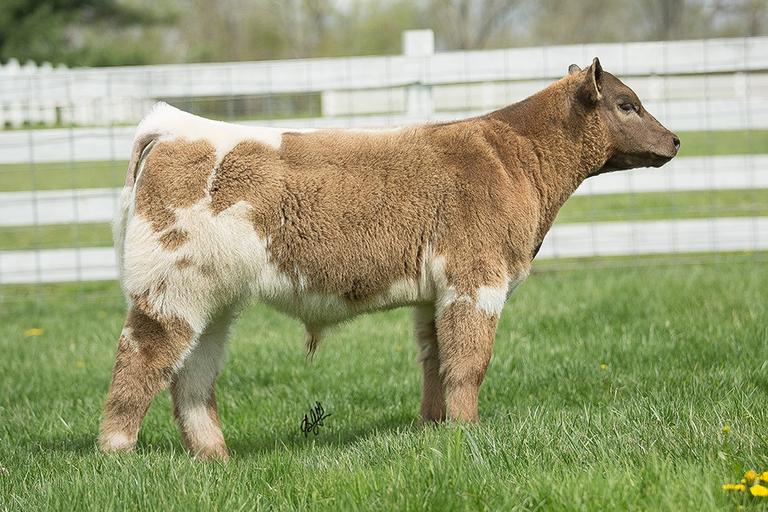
[(259, 444), (243, 444), (76, 444)]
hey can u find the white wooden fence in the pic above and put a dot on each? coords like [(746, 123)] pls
[(717, 83), (689, 85)]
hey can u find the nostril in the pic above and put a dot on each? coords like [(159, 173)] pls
[(676, 142)]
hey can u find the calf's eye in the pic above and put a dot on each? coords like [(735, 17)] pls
[(627, 107)]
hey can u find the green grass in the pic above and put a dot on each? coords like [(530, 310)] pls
[(725, 142), (55, 236), (62, 175), (646, 260), (651, 206), (65, 175), (685, 349), (665, 205)]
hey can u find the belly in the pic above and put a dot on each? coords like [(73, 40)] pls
[(321, 308)]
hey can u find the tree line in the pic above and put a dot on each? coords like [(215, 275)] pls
[(124, 32)]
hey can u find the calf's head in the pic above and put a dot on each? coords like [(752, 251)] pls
[(634, 138)]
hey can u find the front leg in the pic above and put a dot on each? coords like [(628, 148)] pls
[(465, 334)]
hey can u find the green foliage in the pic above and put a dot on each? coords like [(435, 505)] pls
[(112, 32), (75, 32)]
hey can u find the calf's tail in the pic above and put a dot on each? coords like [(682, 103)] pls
[(142, 144)]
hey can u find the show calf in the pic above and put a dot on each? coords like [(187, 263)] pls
[(328, 224)]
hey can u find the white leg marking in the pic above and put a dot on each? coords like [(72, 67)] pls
[(194, 384), (200, 427), (491, 299), (118, 442)]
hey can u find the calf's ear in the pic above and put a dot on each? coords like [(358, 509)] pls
[(591, 89), (573, 68)]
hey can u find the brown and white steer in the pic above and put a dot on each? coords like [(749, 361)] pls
[(328, 224)]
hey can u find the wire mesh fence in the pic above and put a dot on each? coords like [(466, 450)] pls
[(67, 136)]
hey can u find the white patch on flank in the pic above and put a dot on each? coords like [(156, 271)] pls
[(229, 263), (221, 249), (171, 123)]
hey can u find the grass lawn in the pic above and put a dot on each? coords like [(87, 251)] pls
[(725, 142), (614, 207), (609, 390), (65, 175), (62, 175), (665, 205), (55, 236)]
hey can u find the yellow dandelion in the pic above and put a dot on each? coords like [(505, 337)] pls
[(734, 487), (603, 366), (758, 490), (725, 429), (764, 476), (35, 331), (750, 475)]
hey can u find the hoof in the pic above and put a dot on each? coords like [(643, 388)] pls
[(116, 443), (219, 453)]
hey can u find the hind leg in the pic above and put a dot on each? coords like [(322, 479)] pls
[(194, 399), (432, 399), (150, 350)]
